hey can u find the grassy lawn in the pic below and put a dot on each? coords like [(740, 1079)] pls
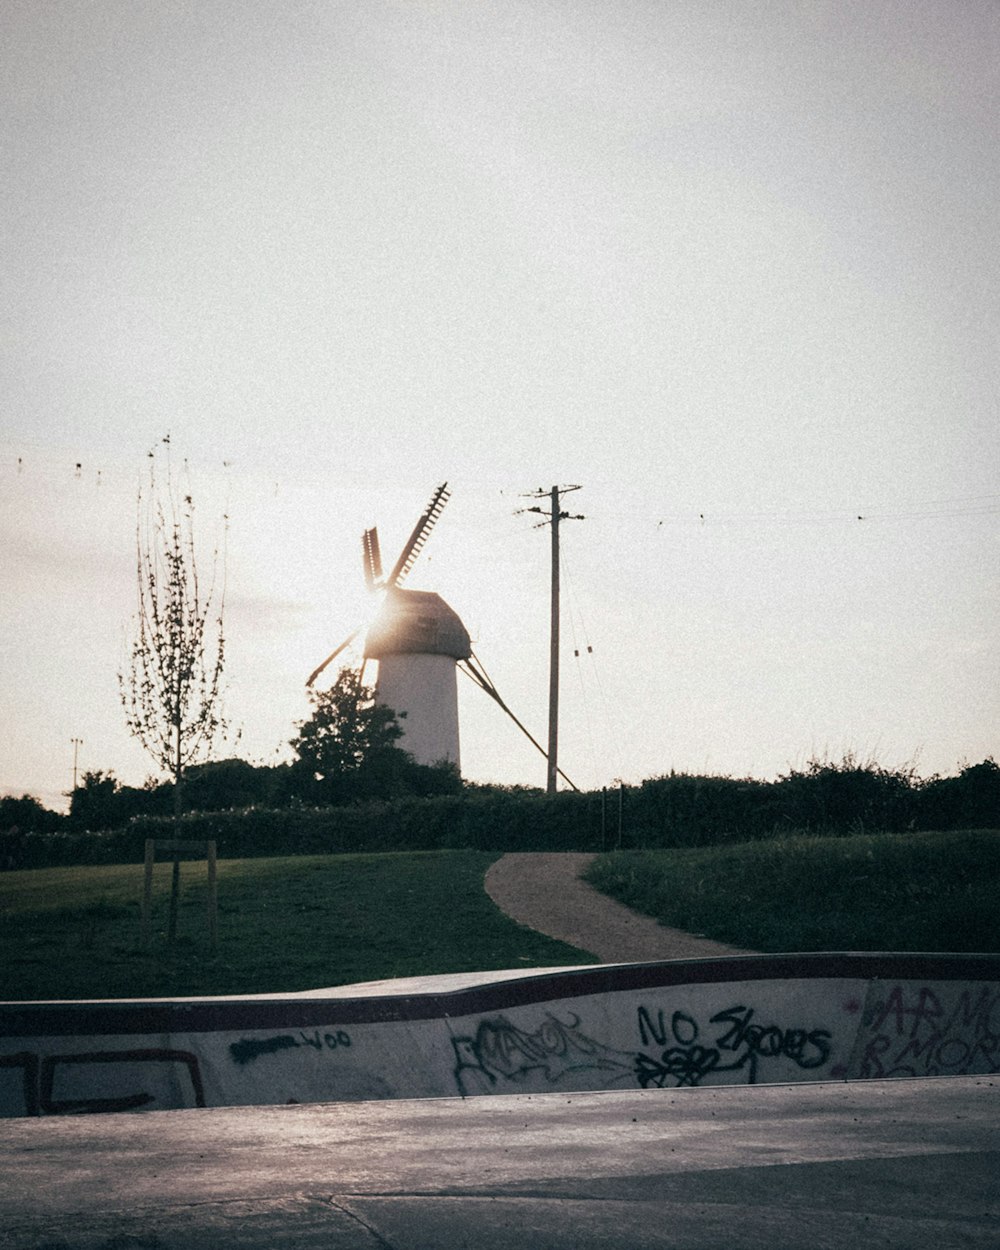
[(312, 921), (284, 924), (900, 892)]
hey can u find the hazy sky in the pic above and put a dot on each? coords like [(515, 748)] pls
[(731, 267)]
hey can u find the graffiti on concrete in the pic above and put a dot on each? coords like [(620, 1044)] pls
[(737, 1044), (39, 1078), (249, 1048), (919, 1031), (28, 1064), (499, 1054)]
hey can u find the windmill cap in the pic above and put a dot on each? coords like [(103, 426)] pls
[(417, 622)]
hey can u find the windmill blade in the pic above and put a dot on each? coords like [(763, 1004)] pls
[(372, 557), (333, 655), (414, 544)]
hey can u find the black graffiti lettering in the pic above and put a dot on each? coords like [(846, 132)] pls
[(509, 1050), (766, 1042), (926, 1010), (738, 1017), (953, 1053), (683, 1027), (650, 1031), (499, 1050), (805, 1049), (821, 1040), (125, 1102), (977, 1016), (248, 1048), (915, 1034), (872, 1066), (795, 1043), (747, 1041), (28, 1063), (687, 1065)]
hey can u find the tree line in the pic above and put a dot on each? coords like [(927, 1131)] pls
[(385, 801)]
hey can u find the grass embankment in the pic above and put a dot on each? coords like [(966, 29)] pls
[(900, 892), (284, 925)]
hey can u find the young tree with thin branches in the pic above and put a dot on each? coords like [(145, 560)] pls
[(172, 687)]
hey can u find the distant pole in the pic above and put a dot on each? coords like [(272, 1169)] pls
[(77, 744)]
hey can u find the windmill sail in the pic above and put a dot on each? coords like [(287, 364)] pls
[(421, 531), (372, 559), (333, 655)]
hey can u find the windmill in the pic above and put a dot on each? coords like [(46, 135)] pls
[(418, 640), (420, 643)]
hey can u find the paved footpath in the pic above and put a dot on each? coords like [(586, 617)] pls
[(544, 892)]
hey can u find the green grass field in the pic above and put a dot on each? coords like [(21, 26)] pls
[(901, 892), (284, 925), (307, 922)]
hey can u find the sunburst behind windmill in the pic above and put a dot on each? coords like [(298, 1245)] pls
[(418, 641)]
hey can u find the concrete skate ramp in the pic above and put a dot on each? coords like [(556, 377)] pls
[(683, 1023), (893, 1164)]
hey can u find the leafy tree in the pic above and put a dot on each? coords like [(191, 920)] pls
[(20, 819), (93, 804), (172, 689), (225, 784), (347, 748), (27, 814), (102, 802)]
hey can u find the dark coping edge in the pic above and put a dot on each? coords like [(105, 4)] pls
[(138, 1016)]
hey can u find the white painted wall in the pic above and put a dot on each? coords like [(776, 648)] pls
[(425, 688)]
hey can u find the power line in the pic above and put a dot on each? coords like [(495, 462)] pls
[(959, 506)]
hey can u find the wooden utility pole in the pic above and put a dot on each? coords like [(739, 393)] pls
[(555, 515), (550, 782)]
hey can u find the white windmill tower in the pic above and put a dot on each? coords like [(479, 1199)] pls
[(418, 641)]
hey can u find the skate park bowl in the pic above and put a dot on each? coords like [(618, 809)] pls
[(771, 1101), (743, 1020)]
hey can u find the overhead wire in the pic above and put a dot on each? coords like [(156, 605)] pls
[(612, 729), (959, 506), (69, 464)]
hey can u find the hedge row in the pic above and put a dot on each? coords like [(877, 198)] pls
[(566, 822), (679, 810)]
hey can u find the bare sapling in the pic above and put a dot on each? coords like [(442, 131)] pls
[(171, 686)]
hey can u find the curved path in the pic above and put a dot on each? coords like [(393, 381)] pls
[(543, 891)]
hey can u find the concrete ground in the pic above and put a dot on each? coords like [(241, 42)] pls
[(907, 1164)]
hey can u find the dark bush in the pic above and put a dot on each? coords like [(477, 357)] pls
[(969, 801), (849, 797)]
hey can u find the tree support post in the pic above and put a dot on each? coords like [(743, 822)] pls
[(176, 849)]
